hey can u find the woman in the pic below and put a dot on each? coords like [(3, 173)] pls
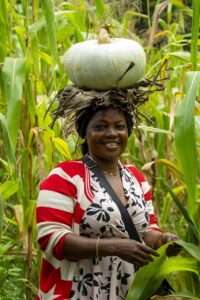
[(88, 254)]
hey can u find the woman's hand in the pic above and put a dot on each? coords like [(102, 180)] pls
[(134, 252), (156, 239), (168, 237)]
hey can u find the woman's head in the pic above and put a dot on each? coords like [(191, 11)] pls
[(107, 134), (105, 128), (80, 106)]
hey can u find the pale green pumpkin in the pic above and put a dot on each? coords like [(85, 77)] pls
[(105, 63)]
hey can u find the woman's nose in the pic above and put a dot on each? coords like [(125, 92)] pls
[(110, 131)]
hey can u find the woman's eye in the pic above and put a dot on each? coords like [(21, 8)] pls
[(121, 126), (99, 127)]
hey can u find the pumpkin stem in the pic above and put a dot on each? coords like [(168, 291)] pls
[(104, 37)]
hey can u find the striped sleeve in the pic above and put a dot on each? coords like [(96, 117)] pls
[(54, 213), (147, 191)]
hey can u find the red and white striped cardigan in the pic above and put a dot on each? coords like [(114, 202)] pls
[(64, 196)]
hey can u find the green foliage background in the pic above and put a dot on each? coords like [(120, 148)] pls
[(34, 36)]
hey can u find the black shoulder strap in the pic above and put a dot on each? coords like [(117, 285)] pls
[(129, 225), (165, 288)]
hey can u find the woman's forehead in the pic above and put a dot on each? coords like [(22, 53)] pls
[(108, 114)]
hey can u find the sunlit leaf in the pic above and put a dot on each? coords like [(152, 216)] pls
[(155, 130), (29, 216), (168, 204), (177, 264), (195, 32), (8, 145), (181, 55), (62, 147), (18, 209), (184, 212), (14, 72), (149, 278), (8, 188), (192, 249), (48, 10), (165, 162), (1, 215), (100, 7), (178, 3), (185, 137), (184, 296), (146, 280), (5, 247)]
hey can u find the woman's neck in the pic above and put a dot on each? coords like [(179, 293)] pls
[(107, 165)]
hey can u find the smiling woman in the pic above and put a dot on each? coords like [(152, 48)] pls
[(88, 253), (107, 135)]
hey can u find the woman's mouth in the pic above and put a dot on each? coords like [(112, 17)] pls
[(111, 145)]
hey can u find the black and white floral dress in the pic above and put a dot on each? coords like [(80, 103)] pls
[(108, 278)]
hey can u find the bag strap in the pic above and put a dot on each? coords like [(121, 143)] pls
[(129, 225), (165, 288)]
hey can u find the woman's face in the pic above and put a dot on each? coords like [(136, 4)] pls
[(107, 134)]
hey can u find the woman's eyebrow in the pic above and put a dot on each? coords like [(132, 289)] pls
[(108, 119)]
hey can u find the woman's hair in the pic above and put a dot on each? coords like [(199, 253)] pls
[(84, 116)]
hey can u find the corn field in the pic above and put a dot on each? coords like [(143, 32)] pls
[(165, 144)]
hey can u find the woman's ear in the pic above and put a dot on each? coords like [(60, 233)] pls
[(84, 147)]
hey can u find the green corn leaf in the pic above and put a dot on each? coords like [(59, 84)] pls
[(48, 10), (178, 263), (191, 248), (8, 145), (195, 32), (62, 147), (100, 7), (14, 73), (8, 188), (146, 280), (185, 139), (167, 163), (183, 55), (178, 3), (29, 214), (1, 216), (154, 130), (185, 295), (167, 204), (4, 30), (184, 212), (5, 247), (26, 178)]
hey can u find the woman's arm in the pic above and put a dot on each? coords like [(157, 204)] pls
[(54, 213), (77, 247)]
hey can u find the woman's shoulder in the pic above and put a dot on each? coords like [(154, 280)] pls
[(71, 167), (62, 178), (65, 170)]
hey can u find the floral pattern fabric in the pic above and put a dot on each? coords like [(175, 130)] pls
[(108, 278)]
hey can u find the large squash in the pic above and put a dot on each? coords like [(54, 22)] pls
[(105, 63)]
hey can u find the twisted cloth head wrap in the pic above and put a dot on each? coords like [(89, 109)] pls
[(78, 106)]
